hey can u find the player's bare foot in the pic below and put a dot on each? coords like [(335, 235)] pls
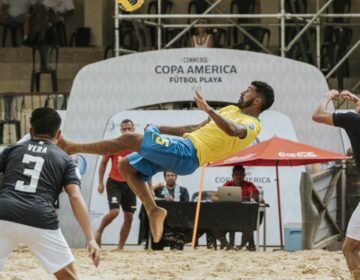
[(98, 238), (156, 219), (117, 250), (66, 146)]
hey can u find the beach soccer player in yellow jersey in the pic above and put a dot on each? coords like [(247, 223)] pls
[(223, 134)]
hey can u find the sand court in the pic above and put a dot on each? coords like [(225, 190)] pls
[(189, 264)]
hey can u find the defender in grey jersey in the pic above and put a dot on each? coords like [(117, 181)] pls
[(34, 173), (350, 122)]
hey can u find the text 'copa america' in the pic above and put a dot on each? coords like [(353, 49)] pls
[(195, 69), (204, 73)]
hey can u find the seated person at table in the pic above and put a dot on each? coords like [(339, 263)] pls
[(170, 191), (248, 192)]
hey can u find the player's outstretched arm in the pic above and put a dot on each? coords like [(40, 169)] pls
[(102, 169), (180, 130), (82, 216), (321, 115), (349, 96), (228, 126)]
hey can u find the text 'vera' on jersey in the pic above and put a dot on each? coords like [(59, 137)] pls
[(34, 173)]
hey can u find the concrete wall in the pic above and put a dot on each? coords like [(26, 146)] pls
[(77, 20)]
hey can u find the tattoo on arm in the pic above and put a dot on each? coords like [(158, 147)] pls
[(228, 126)]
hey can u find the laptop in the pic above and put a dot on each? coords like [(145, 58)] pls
[(229, 193)]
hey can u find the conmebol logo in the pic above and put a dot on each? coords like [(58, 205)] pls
[(298, 155)]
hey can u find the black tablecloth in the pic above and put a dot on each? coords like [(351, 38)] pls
[(224, 216), (237, 216)]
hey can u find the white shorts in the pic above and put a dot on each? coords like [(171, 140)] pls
[(49, 246), (353, 229)]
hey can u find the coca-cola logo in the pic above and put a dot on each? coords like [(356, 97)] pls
[(298, 155)]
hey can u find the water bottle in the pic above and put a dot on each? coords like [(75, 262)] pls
[(261, 194)]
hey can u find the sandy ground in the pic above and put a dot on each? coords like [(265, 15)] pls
[(189, 264)]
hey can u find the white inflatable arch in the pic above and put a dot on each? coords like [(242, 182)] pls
[(103, 89)]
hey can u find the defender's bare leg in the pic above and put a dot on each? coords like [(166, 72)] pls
[(351, 250), (125, 229), (106, 220), (68, 272), (156, 214)]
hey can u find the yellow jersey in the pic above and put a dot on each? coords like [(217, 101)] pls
[(213, 144)]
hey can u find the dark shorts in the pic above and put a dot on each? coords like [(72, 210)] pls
[(160, 153), (13, 21), (119, 193)]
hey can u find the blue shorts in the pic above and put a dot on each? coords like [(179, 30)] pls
[(158, 153)]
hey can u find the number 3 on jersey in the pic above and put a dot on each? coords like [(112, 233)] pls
[(33, 173)]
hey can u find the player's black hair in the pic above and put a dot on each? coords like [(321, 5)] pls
[(45, 121), (167, 172), (265, 92), (238, 168), (127, 121)]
